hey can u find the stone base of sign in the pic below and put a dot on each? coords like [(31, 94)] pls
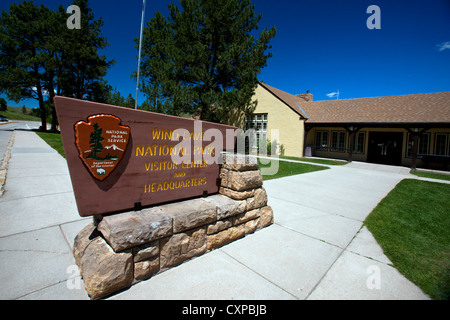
[(117, 251)]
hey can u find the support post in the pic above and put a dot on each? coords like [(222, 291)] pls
[(415, 149), (304, 140), (139, 57), (352, 146), (352, 133)]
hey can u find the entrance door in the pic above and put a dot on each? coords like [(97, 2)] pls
[(385, 148)]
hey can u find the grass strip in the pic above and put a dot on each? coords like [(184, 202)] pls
[(53, 140), (431, 175), (286, 168), (412, 225)]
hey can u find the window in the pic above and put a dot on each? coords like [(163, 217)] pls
[(259, 123), (441, 144), (360, 142), (424, 144), (321, 140), (338, 141)]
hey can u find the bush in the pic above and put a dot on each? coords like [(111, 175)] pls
[(282, 150), (269, 145)]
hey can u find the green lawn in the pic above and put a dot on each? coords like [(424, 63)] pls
[(15, 113), (54, 140), (432, 175), (286, 168), (321, 161), (11, 115), (412, 225)]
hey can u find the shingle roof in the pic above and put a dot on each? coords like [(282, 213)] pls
[(289, 99), (412, 108)]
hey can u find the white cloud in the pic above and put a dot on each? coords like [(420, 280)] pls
[(443, 46), (44, 91), (332, 94)]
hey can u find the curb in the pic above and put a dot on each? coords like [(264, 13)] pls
[(9, 122), (4, 164)]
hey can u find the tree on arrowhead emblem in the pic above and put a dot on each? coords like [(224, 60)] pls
[(96, 142)]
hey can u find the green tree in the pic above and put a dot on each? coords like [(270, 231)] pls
[(40, 57), (22, 39), (83, 68), (204, 59), (74, 68), (129, 101), (95, 142), (112, 96)]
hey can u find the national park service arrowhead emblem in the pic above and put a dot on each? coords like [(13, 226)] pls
[(101, 143)]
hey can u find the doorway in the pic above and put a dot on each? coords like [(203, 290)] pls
[(385, 148)]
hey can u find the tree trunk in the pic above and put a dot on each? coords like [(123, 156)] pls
[(42, 107), (51, 92)]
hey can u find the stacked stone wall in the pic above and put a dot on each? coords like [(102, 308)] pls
[(117, 251)]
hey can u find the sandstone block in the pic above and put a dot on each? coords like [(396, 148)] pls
[(104, 271), (223, 177), (190, 214), (246, 216), (182, 246), (226, 207), (251, 226), (219, 226), (266, 218), (240, 162), (240, 181), (237, 195), (146, 251), (133, 228), (226, 236), (82, 240), (258, 200), (144, 269)]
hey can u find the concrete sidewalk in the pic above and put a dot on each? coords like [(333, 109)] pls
[(317, 248), (38, 220)]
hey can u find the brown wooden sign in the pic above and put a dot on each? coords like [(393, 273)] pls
[(121, 158)]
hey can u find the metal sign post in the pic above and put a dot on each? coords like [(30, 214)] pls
[(139, 57)]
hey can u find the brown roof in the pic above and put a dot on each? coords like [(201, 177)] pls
[(412, 108), (289, 99)]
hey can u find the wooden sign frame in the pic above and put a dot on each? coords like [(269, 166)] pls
[(122, 159)]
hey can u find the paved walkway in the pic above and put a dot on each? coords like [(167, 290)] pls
[(317, 248)]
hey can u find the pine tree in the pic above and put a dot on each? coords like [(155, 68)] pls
[(40, 57), (204, 59), (95, 142), (84, 69), (22, 41)]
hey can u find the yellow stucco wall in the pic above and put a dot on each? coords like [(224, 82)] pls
[(282, 118)]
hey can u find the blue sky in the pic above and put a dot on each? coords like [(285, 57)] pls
[(321, 45)]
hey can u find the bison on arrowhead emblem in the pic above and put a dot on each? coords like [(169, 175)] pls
[(101, 143)]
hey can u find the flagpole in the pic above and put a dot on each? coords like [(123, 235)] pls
[(139, 57)]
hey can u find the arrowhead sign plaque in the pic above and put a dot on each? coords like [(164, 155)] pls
[(101, 143), (121, 158)]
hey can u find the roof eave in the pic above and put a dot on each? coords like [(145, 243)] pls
[(302, 116)]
